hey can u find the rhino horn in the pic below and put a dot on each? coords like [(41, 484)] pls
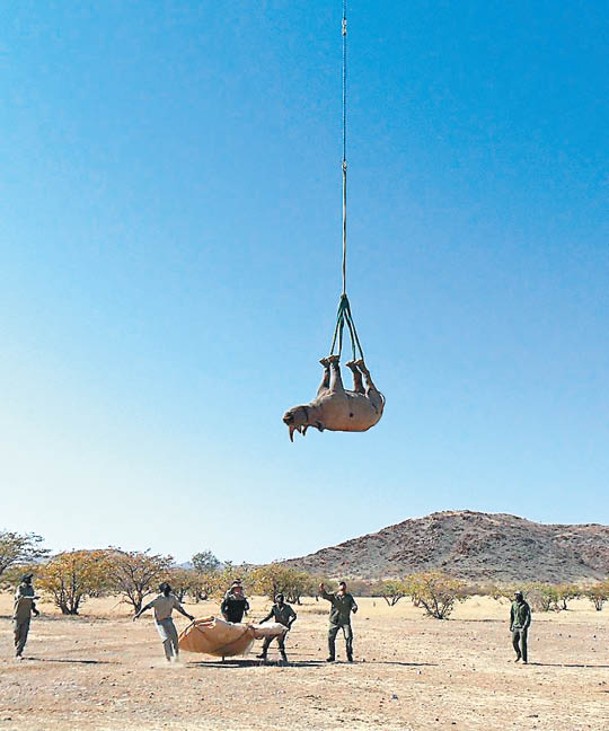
[(300, 429)]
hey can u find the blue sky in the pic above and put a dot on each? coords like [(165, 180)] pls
[(170, 227)]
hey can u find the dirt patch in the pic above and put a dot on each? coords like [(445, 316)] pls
[(102, 672)]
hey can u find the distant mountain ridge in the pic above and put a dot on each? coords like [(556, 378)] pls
[(472, 546)]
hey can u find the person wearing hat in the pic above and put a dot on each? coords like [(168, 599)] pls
[(520, 620), (163, 606), (234, 604), (25, 606), (343, 604), (281, 613)]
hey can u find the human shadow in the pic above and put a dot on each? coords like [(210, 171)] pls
[(70, 661), (481, 620), (581, 665), (403, 664), (247, 663), (230, 663)]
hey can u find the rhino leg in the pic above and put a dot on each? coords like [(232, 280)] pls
[(370, 387), (336, 381), (358, 385), (325, 381)]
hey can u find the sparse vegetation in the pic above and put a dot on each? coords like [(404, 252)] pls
[(134, 574), (598, 594), (276, 578), (392, 591), (541, 597), (435, 592), (71, 577), (206, 562), (565, 593), (20, 549)]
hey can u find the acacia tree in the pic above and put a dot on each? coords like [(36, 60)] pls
[(598, 594), (300, 583), (564, 594), (208, 584), (392, 590), (501, 591), (436, 592), (20, 548), (229, 573), (208, 579), (183, 581), (133, 574), (205, 562), (541, 596), (274, 578), (71, 577)]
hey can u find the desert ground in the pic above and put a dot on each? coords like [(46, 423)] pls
[(102, 672)]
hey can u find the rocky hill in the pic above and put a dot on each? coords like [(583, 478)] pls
[(478, 547)]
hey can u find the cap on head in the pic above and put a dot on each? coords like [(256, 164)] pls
[(27, 577), (279, 598), (519, 595)]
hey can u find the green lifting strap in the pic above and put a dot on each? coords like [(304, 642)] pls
[(344, 316), (344, 308)]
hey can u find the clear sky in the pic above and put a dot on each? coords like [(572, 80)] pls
[(170, 222)]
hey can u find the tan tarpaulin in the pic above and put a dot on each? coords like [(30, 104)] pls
[(215, 636)]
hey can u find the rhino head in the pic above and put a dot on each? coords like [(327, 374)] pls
[(300, 418)]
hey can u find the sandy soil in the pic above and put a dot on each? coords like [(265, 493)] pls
[(100, 671)]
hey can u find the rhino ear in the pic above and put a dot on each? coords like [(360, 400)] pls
[(319, 425)]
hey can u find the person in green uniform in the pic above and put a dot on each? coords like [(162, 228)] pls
[(163, 606), (24, 607), (343, 604), (281, 613), (520, 620)]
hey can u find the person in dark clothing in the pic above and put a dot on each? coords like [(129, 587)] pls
[(343, 604), (520, 620), (281, 613), (24, 607), (236, 582), (234, 605)]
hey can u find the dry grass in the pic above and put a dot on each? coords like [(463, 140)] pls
[(100, 671)]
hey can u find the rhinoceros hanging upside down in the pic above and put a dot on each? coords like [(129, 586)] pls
[(335, 408)]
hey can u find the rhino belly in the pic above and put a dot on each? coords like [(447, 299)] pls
[(350, 412)]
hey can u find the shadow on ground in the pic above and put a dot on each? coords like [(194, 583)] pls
[(234, 664), (74, 661), (569, 665)]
